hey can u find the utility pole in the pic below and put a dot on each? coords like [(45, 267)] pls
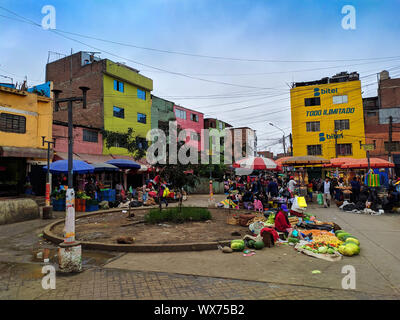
[(284, 145), (336, 151), (291, 145), (47, 211), (70, 251)]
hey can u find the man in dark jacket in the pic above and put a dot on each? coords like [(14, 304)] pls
[(272, 188), (355, 189)]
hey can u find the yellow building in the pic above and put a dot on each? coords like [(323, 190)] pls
[(327, 117), (24, 118)]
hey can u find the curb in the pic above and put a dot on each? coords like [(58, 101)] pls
[(196, 246)]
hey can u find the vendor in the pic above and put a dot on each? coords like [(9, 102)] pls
[(282, 223)]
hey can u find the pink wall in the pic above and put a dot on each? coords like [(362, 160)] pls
[(60, 133), (189, 124)]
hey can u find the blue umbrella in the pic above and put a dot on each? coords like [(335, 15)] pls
[(78, 166), (101, 166), (124, 163)]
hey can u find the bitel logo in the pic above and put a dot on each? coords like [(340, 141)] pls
[(321, 137), (316, 92)]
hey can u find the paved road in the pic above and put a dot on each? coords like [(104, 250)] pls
[(276, 273)]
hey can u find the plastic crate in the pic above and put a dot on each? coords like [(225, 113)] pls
[(107, 195), (80, 205), (58, 205), (91, 208)]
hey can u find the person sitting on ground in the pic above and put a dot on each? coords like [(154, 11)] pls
[(295, 233), (282, 222)]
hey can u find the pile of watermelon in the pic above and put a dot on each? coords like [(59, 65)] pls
[(239, 245), (351, 245)]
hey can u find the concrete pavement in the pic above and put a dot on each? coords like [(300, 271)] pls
[(273, 273)]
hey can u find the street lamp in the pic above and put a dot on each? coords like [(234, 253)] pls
[(283, 140)]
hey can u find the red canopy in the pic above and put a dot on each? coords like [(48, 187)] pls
[(363, 163)]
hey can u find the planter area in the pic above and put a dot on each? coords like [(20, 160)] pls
[(100, 230)]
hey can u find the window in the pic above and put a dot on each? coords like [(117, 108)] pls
[(141, 118), (119, 112), (313, 126), (312, 101), (314, 150), (142, 143), (344, 149), (118, 86), (194, 117), (12, 123), (339, 99), (180, 114), (342, 125), (141, 94), (395, 146), (90, 135), (220, 125), (371, 113)]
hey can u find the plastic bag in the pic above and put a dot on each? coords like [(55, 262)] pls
[(301, 201), (320, 199)]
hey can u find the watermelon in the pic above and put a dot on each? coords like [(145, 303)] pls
[(258, 245), (250, 244), (352, 240), (338, 231), (237, 245), (351, 249), (341, 236)]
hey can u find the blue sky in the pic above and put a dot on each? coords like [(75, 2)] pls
[(253, 29)]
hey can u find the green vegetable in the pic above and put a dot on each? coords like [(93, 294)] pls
[(293, 240), (322, 249), (258, 245), (338, 231), (331, 251)]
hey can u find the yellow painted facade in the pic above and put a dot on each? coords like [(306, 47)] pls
[(338, 101), (128, 100), (38, 112)]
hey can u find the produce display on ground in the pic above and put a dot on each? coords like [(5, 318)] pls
[(326, 244)]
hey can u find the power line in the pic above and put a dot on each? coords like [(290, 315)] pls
[(199, 55)]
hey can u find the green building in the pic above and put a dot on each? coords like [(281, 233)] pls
[(162, 111)]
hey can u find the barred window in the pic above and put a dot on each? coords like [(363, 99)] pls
[(12, 123), (312, 101), (344, 149), (313, 126), (342, 125), (314, 150), (90, 135)]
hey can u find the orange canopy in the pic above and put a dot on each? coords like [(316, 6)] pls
[(363, 163), (338, 162)]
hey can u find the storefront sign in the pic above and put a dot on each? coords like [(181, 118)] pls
[(318, 92), (322, 136), (328, 112)]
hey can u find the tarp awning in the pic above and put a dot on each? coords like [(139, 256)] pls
[(18, 152)]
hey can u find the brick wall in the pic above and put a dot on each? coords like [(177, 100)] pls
[(60, 133), (91, 76)]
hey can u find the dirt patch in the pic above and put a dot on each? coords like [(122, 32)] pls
[(106, 228)]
